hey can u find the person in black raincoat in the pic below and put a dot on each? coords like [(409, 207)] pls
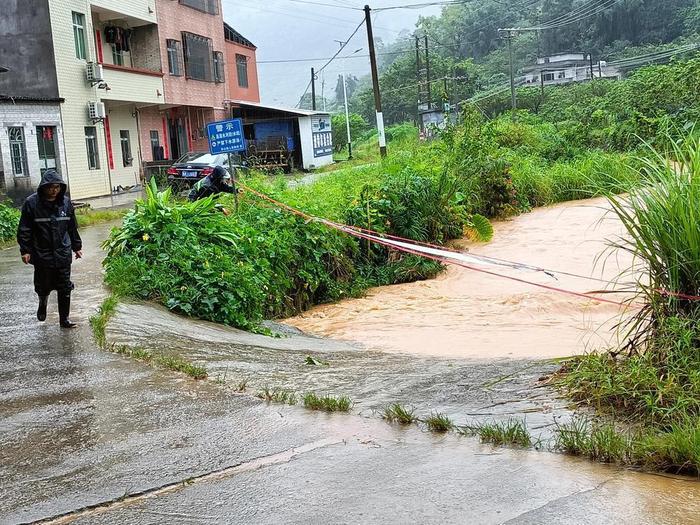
[(211, 185), (48, 237)]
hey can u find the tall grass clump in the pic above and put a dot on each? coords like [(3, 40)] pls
[(654, 380), (512, 432)]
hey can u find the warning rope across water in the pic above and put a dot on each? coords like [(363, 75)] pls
[(448, 256)]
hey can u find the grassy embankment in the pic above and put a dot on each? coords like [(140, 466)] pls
[(649, 391)]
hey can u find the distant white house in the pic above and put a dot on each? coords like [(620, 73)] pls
[(565, 68)]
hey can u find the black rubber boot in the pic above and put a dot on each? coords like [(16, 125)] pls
[(64, 311), (43, 303)]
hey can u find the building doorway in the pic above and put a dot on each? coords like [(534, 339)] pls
[(178, 137), (46, 141)]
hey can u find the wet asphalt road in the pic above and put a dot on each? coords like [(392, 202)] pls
[(81, 428)]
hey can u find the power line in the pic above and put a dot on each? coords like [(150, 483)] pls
[(308, 2), (347, 41)]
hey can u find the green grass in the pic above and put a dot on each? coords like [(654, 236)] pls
[(176, 364), (327, 403), (90, 217), (512, 433), (399, 414), (277, 395), (439, 423), (99, 321), (652, 383)]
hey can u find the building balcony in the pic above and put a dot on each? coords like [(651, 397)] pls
[(132, 13), (130, 84)]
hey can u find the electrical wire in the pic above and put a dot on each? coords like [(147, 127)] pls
[(330, 60)]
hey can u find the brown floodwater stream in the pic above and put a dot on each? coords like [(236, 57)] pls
[(463, 313)]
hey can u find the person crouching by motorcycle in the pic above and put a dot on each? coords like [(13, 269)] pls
[(48, 237), (212, 185)]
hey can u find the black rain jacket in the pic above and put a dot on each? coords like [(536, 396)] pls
[(48, 231), (209, 186)]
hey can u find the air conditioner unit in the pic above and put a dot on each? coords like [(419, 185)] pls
[(96, 110), (95, 72)]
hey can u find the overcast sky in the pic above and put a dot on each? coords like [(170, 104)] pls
[(286, 29)]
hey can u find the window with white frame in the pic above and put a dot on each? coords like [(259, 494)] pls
[(117, 56), (79, 35), (91, 147), (18, 152)]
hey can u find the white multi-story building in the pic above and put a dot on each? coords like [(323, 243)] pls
[(83, 71), (564, 68)]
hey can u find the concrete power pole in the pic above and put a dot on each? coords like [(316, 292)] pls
[(375, 82), (509, 35), (313, 89), (427, 74), (347, 115), (347, 109)]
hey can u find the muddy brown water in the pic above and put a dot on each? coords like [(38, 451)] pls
[(466, 344), (467, 314)]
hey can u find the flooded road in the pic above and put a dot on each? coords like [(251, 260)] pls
[(92, 437), (463, 313)]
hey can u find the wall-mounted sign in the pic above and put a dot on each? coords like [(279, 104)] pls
[(322, 136)]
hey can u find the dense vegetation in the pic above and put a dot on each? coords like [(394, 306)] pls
[(466, 49), (653, 384), (9, 220)]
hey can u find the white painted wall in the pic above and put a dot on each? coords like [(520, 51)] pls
[(28, 117), (307, 147), (144, 10)]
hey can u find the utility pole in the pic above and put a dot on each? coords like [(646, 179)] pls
[(590, 59), (427, 74), (510, 34), (347, 109), (347, 116), (418, 75), (375, 82), (542, 81), (313, 89)]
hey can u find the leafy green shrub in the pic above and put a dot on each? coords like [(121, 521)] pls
[(358, 127), (9, 220), (234, 270)]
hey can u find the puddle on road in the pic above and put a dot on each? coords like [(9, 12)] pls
[(463, 313)]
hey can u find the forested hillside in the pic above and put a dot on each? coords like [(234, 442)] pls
[(464, 44)]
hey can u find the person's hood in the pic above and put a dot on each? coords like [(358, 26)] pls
[(53, 177), (220, 173)]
